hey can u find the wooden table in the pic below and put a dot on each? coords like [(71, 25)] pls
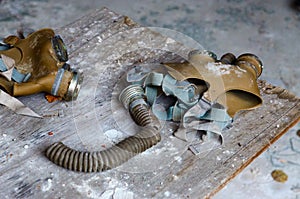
[(104, 45)]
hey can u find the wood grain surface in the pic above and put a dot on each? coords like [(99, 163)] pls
[(103, 46)]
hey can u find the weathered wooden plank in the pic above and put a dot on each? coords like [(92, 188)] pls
[(253, 132), (104, 45)]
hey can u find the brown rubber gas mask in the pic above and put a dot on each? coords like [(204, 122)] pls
[(232, 81), (38, 64)]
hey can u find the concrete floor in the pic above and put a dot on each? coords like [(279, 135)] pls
[(269, 29)]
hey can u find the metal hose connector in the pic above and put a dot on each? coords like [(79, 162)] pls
[(74, 87), (134, 99)]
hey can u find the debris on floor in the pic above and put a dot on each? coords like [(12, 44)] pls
[(279, 176)]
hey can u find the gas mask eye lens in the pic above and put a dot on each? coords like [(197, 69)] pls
[(59, 48)]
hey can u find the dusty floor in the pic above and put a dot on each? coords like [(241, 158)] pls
[(269, 29)]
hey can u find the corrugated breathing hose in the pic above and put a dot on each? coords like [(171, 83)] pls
[(133, 98)]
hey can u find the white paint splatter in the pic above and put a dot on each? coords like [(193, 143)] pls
[(219, 69), (170, 41), (47, 185), (114, 135), (121, 193), (175, 177), (167, 194), (86, 190), (72, 30), (178, 159), (227, 152), (107, 194)]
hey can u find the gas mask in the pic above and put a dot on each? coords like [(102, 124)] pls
[(37, 64), (232, 81)]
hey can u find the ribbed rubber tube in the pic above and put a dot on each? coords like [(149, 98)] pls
[(141, 115), (133, 99), (81, 161)]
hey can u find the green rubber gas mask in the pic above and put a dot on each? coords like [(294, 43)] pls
[(37, 64)]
